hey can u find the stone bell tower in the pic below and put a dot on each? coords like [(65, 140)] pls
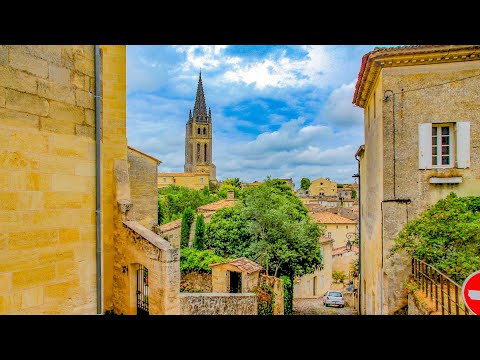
[(198, 137)]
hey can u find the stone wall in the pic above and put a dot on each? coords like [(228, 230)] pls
[(218, 304), (418, 304), (198, 281), (142, 172), (136, 245), (47, 180), (114, 146)]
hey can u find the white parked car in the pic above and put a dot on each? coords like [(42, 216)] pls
[(333, 297)]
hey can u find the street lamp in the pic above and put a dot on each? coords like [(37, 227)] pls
[(348, 245)]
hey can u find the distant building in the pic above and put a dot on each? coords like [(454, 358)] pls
[(192, 180), (323, 187)]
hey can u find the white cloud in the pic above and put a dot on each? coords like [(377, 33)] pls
[(339, 108)]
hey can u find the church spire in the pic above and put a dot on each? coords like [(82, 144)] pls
[(200, 108)]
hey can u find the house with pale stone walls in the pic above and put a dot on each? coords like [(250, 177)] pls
[(422, 141)]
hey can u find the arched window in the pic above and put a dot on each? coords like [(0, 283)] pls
[(205, 153), (198, 131), (204, 131), (198, 152)]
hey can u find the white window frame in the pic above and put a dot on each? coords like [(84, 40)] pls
[(329, 235), (451, 145), (201, 180)]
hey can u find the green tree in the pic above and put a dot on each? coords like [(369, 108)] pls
[(305, 183), (339, 276), (269, 223), (187, 219), (199, 240), (287, 295), (233, 181), (226, 233), (175, 199), (354, 193), (193, 260), (446, 236)]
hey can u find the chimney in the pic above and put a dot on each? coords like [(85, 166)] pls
[(230, 195)]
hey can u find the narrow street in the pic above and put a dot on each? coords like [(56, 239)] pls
[(315, 307)]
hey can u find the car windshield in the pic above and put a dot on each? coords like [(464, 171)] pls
[(335, 294)]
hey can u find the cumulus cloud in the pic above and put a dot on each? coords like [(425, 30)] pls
[(282, 112)]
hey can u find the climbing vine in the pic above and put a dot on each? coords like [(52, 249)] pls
[(266, 299)]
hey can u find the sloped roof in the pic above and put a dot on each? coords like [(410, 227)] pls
[(217, 205), (325, 239), (342, 250), (411, 55), (171, 225), (242, 264), (142, 153), (330, 218)]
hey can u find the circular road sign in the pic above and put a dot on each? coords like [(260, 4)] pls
[(471, 292)]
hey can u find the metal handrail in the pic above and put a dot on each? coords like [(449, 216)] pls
[(431, 281)]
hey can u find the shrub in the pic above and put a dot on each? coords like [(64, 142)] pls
[(187, 219), (266, 299), (193, 260), (339, 276), (287, 294)]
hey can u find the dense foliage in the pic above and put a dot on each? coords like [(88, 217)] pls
[(173, 200), (354, 194), (266, 299), (446, 236), (199, 239), (287, 295), (230, 184), (187, 219), (193, 260), (305, 183), (269, 225), (339, 276)]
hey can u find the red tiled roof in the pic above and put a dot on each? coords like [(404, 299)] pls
[(329, 218), (400, 50), (325, 239), (342, 250), (243, 264), (217, 205), (171, 225)]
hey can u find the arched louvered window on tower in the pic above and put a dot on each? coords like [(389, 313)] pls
[(204, 131), (205, 153), (198, 152), (198, 131)]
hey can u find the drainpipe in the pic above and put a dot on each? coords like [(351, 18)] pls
[(359, 238), (98, 181)]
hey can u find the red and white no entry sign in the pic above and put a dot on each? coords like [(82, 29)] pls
[(471, 292)]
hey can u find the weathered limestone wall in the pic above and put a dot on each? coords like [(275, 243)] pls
[(114, 146), (339, 233), (142, 172), (342, 262), (47, 180), (198, 281), (218, 304), (173, 235), (327, 187), (136, 245), (221, 279), (303, 286), (455, 101), (371, 214)]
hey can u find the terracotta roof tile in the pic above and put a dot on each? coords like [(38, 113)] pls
[(329, 218), (217, 205), (243, 264), (171, 225), (342, 250)]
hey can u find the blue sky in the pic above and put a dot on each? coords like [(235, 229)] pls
[(279, 111)]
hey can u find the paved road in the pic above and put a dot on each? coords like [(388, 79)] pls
[(315, 307)]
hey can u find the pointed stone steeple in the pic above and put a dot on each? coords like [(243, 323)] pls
[(200, 108)]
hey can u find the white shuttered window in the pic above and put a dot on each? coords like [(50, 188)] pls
[(444, 145)]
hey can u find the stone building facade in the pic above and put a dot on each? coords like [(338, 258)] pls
[(50, 260), (422, 141), (323, 187), (235, 276), (193, 180), (142, 170)]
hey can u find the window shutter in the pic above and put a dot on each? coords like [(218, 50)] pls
[(463, 144), (425, 146)]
